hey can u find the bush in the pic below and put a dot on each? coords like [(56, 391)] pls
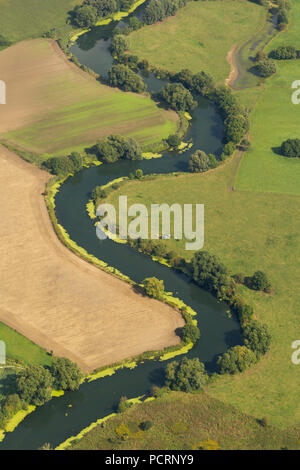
[(290, 148), (186, 375), (124, 404), (266, 67), (154, 287), (139, 174), (236, 359), (124, 78), (64, 165), (190, 333), (146, 425), (259, 281), (199, 162), (173, 140), (257, 337), (66, 374), (98, 193), (242, 310)]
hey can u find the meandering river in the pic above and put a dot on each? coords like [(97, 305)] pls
[(66, 416)]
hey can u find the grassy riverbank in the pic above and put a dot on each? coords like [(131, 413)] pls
[(186, 421)]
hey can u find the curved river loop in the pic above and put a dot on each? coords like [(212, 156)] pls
[(68, 415)]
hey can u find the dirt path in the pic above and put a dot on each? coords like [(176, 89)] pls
[(232, 62), (58, 300)]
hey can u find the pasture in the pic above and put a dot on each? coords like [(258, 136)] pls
[(274, 119), (199, 37), (53, 107), (249, 231), (28, 19), (187, 421)]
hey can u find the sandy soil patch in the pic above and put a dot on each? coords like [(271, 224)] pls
[(58, 300)]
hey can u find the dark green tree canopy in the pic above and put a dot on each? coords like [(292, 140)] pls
[(186, 375), (290, 148), (177, 97), (66, 374), (34, 385)]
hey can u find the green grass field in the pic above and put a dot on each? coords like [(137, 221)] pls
[(22, 349), (199, 36), (184, 421), (25, 19), (274, 120), (249, 232)]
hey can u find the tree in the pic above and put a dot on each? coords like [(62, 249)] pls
[(202, 83), (190, 333), (199, 162), (173, 140), (177, 97), (154, 12), (266, 67), (256, 337), (34, 384), (236, 359), (284, 53), (66, 374), (259, 281), (186, 375), (85, 16), (290, 148), (119, 44), (154, 287), (123, 77), (115, 147)]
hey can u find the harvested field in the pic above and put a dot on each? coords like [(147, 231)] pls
[(53, 107), (59, 301)]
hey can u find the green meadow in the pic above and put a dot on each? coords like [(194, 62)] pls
[(199, 36), (27, 19), (22, 349), (249, 232), (185, 421)]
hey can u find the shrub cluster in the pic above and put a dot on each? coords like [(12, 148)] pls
[(126, 79), (284, 53), (266, 67), (210, 274), (290, 148), (157, 10), (64, 165), (187, 375), (177, 97), (34, 384), (235, 118), (156, 248), (87, 14), (200, 162), (116, 147)]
